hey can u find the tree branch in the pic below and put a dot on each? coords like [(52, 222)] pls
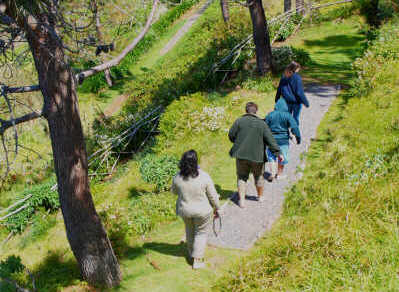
[(5, 124), (115, 61), (23, 89), (102, 67)]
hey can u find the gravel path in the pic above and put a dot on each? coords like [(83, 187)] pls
[(242, 227), (184, 29)]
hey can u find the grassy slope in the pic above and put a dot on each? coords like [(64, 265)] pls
[(52, 258), (339, 228)]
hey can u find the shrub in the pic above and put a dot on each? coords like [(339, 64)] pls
[(282, 56), (261, 84), (375, 11), (42, 197), (158, 170), (11, 268), (117, 224)]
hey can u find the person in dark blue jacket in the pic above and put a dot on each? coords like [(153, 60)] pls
[(291, 89), (280, 122)]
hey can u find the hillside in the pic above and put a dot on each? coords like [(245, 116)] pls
[(138, 210)]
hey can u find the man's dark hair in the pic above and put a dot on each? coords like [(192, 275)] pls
[(251, 108), (189, 164)]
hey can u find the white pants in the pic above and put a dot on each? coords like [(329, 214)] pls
[(197, 229)]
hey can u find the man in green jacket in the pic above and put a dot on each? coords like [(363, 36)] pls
[(250, 135)]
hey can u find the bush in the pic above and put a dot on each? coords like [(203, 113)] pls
[(158, 170), (376, 12), (117, 225), (282, 56), (261, 84), (11, 268), (42, 197)]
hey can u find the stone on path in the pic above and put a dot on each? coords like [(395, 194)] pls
[(242, 227)]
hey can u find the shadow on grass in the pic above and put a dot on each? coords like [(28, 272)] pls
[(135, 193), (176, 250), (56, 272), (331, 71)]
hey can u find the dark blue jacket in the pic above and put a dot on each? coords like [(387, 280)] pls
[(291, 89), (280, 121)]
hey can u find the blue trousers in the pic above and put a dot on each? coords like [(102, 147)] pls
[(295, 110)]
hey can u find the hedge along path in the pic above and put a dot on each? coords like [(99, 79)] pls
[(118, 102), (242, 227)]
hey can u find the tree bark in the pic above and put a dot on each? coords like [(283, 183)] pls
[(224, 5), (287, 5), (261, 37), (299, 4), (85, 233)]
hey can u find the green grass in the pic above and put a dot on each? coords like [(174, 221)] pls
[(332, 50), (159, 247), (339, 231)]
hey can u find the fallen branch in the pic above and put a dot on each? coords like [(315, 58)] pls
[(14, 212), (7, 238), (115, 61), (16, 204)]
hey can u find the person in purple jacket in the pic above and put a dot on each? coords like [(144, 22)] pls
[(291, 89)]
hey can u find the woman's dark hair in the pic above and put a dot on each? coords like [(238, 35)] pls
[(292, 66), (189, 164)]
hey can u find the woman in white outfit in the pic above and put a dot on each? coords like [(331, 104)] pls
[(197, 202)]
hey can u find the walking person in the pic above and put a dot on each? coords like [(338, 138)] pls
[(291, 89), (196, 203), (280, 122), (250, 135)]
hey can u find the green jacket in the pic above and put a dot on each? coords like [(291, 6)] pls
[(250, 136)]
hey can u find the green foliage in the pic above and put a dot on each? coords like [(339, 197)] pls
[(376, 11), (117, 225), (188, 70), (42, 222), (11, 268), (282, 56), (157, 30), (42, 197), (338, 231), (281, 30), (158, 170), (13, 264), (382, 51), (260, 84), (148, 210), (337, 13)]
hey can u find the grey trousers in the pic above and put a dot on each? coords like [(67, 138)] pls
[(197, 229)]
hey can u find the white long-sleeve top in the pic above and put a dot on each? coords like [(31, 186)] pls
[(197, 197)]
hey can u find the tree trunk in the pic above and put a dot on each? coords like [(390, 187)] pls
[(224, 4), (299, 4), (261, 36), (287, 5), (85, 233), (372, 14)]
